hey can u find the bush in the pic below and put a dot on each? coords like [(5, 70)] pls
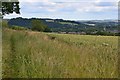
[(18, 28), (38, 25), (47, 29), (4, 23), (105, 33)]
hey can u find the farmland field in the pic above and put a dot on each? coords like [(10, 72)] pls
[(28, 54)]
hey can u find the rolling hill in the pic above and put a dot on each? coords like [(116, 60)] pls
[(60, 25)]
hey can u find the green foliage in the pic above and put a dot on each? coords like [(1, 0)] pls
[(4, 23), (47, 29), (18, 28), (105, 33), (38, 25), (10, 7)]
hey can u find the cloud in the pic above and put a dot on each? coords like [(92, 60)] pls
[(105, 4), (65, 8), (71, 5), (46, 7), (69, 0)]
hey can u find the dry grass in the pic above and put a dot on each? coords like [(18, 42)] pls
[(30, 54)]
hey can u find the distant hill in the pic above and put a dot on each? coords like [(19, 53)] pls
[(60, 25)]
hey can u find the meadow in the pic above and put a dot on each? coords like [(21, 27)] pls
[(29, 54)]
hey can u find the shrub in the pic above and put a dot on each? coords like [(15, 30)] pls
[(37, 25), (105, 33), (47, 29), (18, 28), (4, 23)]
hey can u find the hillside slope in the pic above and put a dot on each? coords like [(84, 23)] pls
[(29, 54), (60, 25)]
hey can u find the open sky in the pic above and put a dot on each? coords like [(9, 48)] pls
[(68, 9)]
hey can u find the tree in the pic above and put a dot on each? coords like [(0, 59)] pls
[(10, 7), (47, 30), (105, 33), (38, 25)]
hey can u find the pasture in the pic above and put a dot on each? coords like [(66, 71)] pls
[(28, 54)]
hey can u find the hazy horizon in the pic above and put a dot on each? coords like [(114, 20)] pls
[(65, 19)]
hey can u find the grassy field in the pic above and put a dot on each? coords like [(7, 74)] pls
[(68, 23), (30, 54)]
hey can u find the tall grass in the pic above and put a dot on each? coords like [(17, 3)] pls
[(30, 54)]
